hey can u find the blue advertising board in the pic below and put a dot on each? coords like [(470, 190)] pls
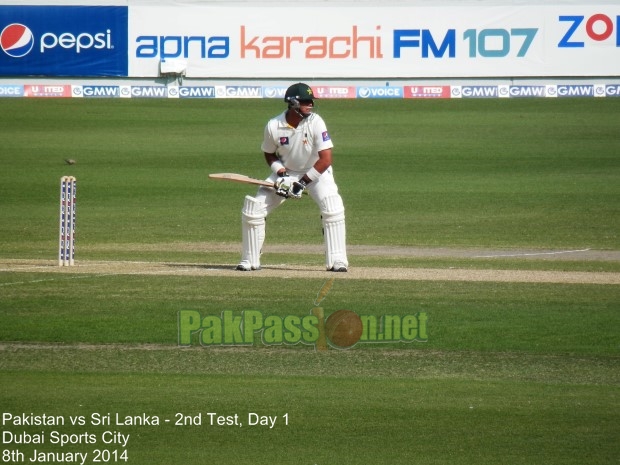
[(63, 40)]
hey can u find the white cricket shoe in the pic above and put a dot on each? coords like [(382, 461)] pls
[(245, 266), (339, 267)]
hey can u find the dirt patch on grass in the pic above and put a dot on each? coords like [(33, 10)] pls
[(288, 270), (284, 271)]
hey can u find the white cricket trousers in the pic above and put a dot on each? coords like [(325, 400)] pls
[(323, 191)]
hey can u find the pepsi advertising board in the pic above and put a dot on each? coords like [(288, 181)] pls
[(63, 40)]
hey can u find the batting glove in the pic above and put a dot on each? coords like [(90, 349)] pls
[(297, 189), (283, 185)]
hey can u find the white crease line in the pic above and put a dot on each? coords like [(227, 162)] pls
[(531, 254), (24, 267), (57, 279), (182, 270)]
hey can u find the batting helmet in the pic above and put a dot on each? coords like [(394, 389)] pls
[(299, 91)]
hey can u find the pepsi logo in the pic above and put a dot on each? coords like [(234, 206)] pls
[(16, 40)]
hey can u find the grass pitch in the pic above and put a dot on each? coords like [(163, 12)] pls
[(512, 373)]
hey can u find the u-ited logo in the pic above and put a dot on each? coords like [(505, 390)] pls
[(16, 40)]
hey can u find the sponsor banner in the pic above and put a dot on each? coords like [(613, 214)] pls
[(427, 91), (96, 91), (238, 92), (551, 90), (570, 90), (192, 92), (125, 91), (148, 92), (11, 90), (361, 92), (523, 91), (612, 90), (334, 91), (380, 92), (474, 91), (47, 90), (274, 92), (63, 40), (575, 90), (599, 90), (378, 41)]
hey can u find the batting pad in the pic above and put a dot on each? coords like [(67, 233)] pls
[(332, 213), (252, 230)]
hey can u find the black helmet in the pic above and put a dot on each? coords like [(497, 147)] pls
[(299, 91)]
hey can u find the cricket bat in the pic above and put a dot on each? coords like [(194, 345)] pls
[(242, 178), (234, 177)]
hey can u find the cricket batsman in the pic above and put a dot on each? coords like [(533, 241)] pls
[(298, 149)]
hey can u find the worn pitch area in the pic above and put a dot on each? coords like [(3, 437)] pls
[(292, 270)]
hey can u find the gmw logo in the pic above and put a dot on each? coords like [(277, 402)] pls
[(17, 41)]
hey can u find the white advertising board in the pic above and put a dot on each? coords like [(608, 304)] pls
[(276, 41)]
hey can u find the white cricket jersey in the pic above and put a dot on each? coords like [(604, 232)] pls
[(298, 148)]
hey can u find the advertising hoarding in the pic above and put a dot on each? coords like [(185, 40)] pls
[(213, 41), (63, 41), (377, 41)]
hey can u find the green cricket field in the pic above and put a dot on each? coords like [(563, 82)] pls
[(484, 249)]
